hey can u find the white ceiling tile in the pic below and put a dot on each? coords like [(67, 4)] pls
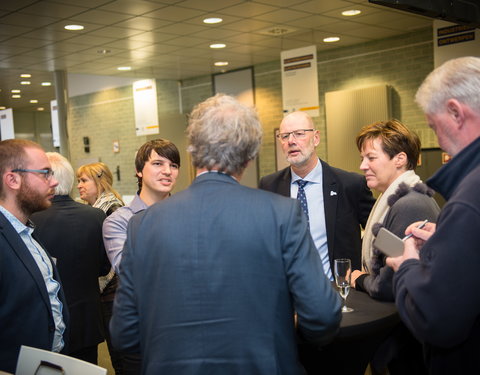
[(208, 5), (143, 23), (50, 9), (174, 13), (248, 9), (101, 17), (168, 39), (135, 8)]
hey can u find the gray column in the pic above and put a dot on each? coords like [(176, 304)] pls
[(61, 93)]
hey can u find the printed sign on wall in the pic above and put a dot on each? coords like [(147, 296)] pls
[(452, 41), (145, 107), (6, 124), (300, 80)]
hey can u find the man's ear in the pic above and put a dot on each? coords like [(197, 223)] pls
[(12, 180), (456, 112), (139, 174), (316, 138)]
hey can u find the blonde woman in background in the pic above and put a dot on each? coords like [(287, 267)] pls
[(95, 187)]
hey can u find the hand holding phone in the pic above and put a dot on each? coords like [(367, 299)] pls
[(388, 243)]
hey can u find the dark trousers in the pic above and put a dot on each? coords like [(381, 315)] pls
[(89, 354), (123, 364)]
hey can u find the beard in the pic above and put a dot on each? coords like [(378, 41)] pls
[(31, 201)]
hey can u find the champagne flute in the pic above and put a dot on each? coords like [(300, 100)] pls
[(343, 271)]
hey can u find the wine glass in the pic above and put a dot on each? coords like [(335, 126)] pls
[(343, 271)]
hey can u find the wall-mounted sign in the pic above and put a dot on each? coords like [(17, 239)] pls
[(55, 123), (300, 80), (6, 124), (145, 107), (452, 41)]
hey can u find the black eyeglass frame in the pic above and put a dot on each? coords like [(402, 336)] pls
[(47, 173)]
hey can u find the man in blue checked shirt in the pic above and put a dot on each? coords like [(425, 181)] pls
[(32, 305)]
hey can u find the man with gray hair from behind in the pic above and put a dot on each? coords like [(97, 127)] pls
[(438, 272), (72, 233), (212, 277)]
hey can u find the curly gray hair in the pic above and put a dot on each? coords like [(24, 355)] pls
[(223, 134)]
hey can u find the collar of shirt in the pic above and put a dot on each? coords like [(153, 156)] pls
[(17, 224), (137, 204), (315, 176), (216, 171)]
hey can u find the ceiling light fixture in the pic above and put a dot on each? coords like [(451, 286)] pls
[(16, 96), (212, 20), (331, 39), (74, 27), (103, 51), (46, 83), (25, 75), (16, 91), (33, 101), (25, 82), (124, 68), (221, 63), (351, 12), (218, 45), (40, 109), (2, 107)]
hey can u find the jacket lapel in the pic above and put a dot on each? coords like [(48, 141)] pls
[(20, 249), (330, 200), (285, 182)]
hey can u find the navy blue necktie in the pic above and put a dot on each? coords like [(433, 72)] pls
[(301, 196)]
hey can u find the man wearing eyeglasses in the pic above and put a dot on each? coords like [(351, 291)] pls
[(32, 304), (338, 202)]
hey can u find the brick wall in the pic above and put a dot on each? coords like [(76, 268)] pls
[(401, 62)]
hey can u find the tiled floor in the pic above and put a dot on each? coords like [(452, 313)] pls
[(104, 358)]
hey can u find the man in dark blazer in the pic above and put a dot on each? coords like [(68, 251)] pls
[(72, 234), (33, 310), (210, 278), (339, 201)]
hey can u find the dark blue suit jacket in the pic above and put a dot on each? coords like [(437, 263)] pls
[(72, 233), (347, 204), (25, 311), (210, 279)]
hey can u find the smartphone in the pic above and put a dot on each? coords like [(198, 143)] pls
[(388, 243)]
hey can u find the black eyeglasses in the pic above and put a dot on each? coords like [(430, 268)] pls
[(297, 134), (47, 173)]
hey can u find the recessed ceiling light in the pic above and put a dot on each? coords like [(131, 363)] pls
[(331, 39), (25, 75), (46, 83), (33, 101), (2, 107), (218, 45), (221, 63), (15, 91), (25, 82), (16, 96), (74, 27), (212, 20), (103, 51), (351, 12), (40, 109), (124, 68)]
